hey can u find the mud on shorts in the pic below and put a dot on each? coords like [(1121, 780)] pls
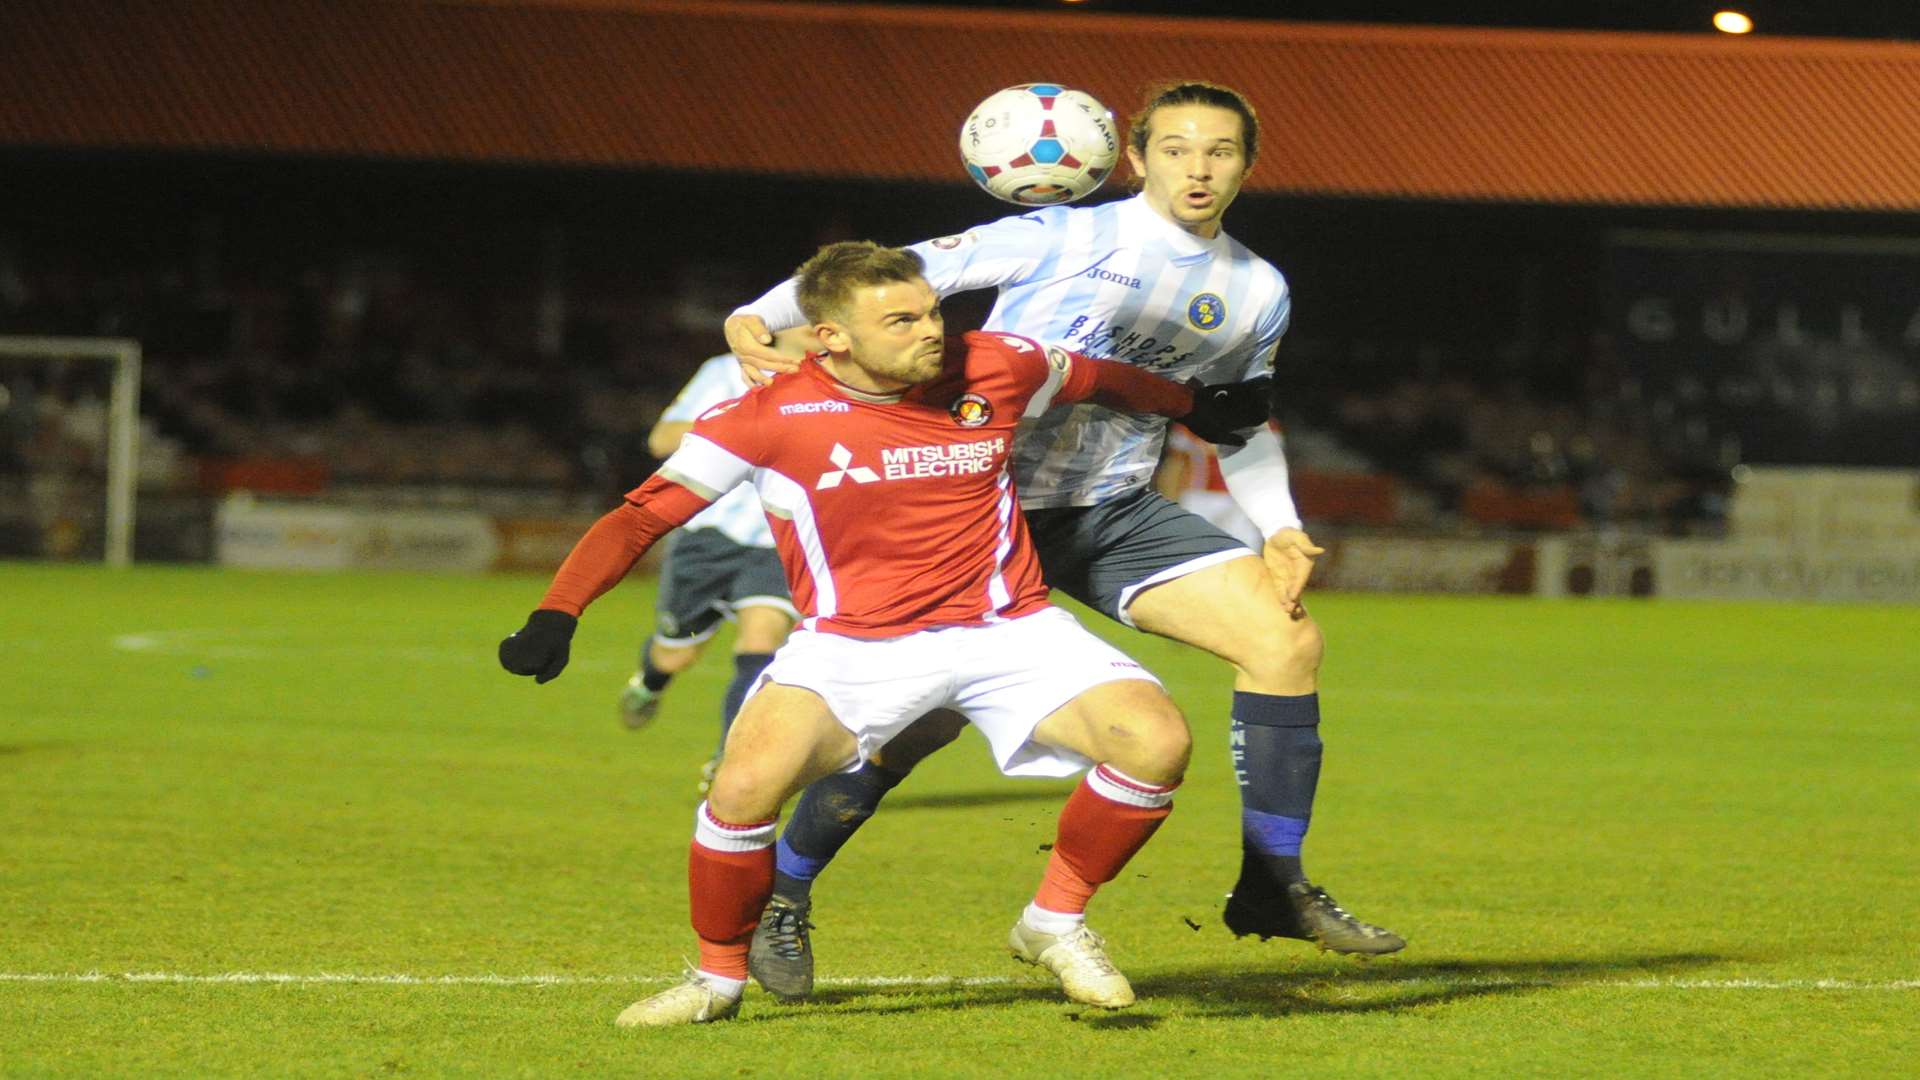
[(1104, 555), (707, 577)]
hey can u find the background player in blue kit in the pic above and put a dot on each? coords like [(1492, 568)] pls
[(1152, 280), (721, 565)]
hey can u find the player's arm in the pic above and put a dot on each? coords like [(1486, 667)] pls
[(597, 563), (1256, 476), (1215, 413), (665, 437), (1119, 386), (749, 330), (699, 472), (1004, 252), (1170, 477)]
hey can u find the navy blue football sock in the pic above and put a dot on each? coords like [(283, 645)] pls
[(746, 668), (652, 677), (829, 812), (1276, 758)]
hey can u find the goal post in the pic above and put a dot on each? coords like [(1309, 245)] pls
[(123, 421)]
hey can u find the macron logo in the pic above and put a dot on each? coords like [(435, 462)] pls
[(843, 466), (805, 407)]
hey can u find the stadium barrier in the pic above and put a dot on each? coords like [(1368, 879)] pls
[(259, 534), (1418, 564), (1828, 535), (1593, 564), (1773, 570), (1802, 533), (289, 536)]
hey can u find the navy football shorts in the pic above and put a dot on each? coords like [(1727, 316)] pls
[(707, 577), (1104, 555)]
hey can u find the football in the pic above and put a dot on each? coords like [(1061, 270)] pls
[(1039, 143)]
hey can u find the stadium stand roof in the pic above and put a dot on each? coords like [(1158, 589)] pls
[(870, 91)]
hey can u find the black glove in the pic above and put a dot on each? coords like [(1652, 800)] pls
[(1222, 411), (539, 648)]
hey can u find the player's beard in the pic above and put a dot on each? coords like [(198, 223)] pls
[(913, 368)]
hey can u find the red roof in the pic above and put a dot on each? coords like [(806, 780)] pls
[(871, 91)]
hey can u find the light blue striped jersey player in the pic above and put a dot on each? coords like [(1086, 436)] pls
[(1116, 281), (738, 513)]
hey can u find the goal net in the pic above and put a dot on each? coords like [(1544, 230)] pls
[(69, 431)]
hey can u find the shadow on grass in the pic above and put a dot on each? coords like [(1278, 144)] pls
[(17, 749), (1383, 986), (869, 1001), (1391, 986)]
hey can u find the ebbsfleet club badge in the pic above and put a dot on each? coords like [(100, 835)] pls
[(970, 410)]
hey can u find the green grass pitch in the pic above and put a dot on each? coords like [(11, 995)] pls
[(1622, 838)]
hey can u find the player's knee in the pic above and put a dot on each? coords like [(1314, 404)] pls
[(1168, 747), (673, 659), (1303, 645), (1152, 745), (743, 793), (1285, 652)]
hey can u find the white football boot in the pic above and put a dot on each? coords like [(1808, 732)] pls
[(1079, 958), (692, 1000)]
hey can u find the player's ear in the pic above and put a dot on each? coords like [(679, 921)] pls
[(833, 336), (1137, 162)]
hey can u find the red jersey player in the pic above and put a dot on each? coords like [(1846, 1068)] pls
[(884, 474)]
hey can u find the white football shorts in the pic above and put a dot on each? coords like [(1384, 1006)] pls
[(1004, 678)]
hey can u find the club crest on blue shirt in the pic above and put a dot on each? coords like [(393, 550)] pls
[(1207, 311), (970, 410)]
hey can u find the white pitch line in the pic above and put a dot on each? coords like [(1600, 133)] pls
[(346, 979), (911, 981)]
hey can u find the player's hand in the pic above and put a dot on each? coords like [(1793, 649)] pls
[(1223, 410), (1289, 556), (749, 339), (539, 648)]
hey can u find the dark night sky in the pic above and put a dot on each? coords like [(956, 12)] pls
[(1898, 19)]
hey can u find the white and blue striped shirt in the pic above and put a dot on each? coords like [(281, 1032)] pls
[(738, 513), (1116, 281)]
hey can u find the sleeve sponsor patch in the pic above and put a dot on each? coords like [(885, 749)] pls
[(948, 243), (1058, 357), (1018, 344)]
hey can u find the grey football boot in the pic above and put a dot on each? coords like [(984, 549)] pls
[(781, 956)]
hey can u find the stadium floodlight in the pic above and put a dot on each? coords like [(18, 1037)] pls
[(1732, 22), (123, 421)]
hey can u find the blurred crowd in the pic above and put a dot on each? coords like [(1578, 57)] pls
[(401, 367), (1496, 452)]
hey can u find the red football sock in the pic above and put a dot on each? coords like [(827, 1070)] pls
[(729, 878), (1108, 818)]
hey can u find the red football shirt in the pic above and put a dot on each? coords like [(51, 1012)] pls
[(892, 514)]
